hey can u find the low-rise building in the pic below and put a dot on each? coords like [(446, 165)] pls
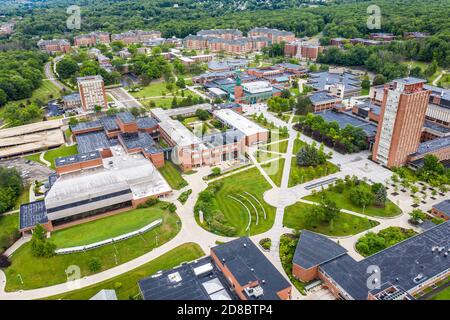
[(92, 39), (343, 85), (300, 49), (54, 46), (236, 270), (424, 262), (136, 36), (442, 210), (275, 35)]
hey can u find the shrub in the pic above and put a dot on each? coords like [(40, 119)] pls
[(94, 264), (117, 285), (4, 261), (184, 196), (266, 243)]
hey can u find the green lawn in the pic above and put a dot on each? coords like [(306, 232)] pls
[(234, 213), (275, 170), (345, 225), (173, 176), (152, 90), (43, 272), (299, 175), (24, 197), (129, 287), (280, 146), (35, 158), (42, 93), (298, 144), (443, 295), (343, 201), (63, 151), (106, 228), (9, 225), (262, 156)]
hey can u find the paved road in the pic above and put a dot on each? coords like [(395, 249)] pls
[(123, 99), (50, 76)]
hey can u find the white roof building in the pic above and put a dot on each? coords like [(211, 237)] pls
[(239, 122), (257, 87)]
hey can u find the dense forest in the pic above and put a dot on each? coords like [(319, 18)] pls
[(182, 17)]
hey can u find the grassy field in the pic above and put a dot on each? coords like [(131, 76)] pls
[(42, 272), (129, 287), (262, 156), (62, 151), (42, 93), (343, 201), (152, 90), (35, 158), (280, 146), (173, 176), (234, 213), (345, 225), (443, 295), (275, 170), (24, 197), (299, 175), (106, 228), (9, 225)]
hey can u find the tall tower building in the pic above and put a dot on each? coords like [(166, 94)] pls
[(92, 92), (402, 116), (238, 90)]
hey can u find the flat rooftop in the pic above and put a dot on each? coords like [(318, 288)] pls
[(406, 264), (32, 214), (199, 280), (433, 145), (443, 206), (222, 138), (93, 141), (344, 118), (320, 97), (182, 136), (247, 263), (257, 87), (77, 158), (319, 80), (30, 128), (239, 122)]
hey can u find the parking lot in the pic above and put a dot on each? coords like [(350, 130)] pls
[(31, 171)]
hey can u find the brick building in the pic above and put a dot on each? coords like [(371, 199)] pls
[(92, 92), (300, 49), (402, 116), (275, 35), (424, 262), (92, 39), (54, 46), (236, 270), (136, 36)]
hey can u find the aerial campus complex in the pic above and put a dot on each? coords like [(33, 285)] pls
[(220, 164)]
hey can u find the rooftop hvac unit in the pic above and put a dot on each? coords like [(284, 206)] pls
[(203, 269), (255, 291), (174, 277)]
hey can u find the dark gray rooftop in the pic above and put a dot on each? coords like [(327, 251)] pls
[(136, 140), (126, 117), (436, 127), (92, 141), (251, 258), (109, 123), (343, 119), (318, 80), (406, 264), (190, 286), (146, 123), (87, 125), (443, 206), (322, 97), (223, 138), (32, 214), (433, 145), (314, 249), (64, 161)]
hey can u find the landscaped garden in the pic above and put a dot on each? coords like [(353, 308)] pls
[(41, 271), (126, 285), (372, 243), (172, 174), (359, 196), (310, 163), (288, 244), (275, 170), (234, 206), (310, 217)]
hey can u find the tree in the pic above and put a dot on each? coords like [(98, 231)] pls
[(181, 83), (4, 261), (310, 155), (304, 105), (417, 215), (215, 171), (94, 264), (40, 245), (97, 109), (11, 185), (361, 196), (67, 68), (202, 114), (365, 83)]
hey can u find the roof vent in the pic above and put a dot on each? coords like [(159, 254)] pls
[(252, 270), (245, 245)]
